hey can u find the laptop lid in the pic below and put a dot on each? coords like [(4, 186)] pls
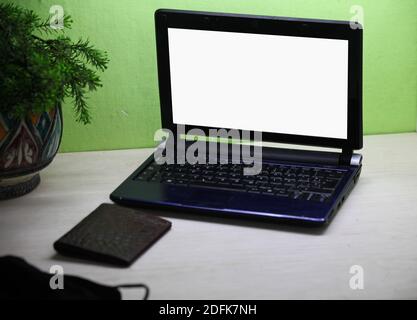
[(297, 81)]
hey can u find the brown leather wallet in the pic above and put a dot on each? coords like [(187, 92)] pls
[(113, 234)]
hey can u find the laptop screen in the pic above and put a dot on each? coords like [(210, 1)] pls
[(259, 82)]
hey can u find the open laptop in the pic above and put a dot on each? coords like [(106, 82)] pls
[(297, 81)]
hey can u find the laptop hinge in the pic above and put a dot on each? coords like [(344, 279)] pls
[(345, 157)]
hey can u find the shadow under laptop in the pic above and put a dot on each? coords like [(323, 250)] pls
[(283, 225)]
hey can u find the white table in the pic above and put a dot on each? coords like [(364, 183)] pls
[(225, 259)]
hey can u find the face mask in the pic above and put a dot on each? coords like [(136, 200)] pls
[(21, 281)]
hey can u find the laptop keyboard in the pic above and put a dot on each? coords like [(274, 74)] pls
[(275, 180)]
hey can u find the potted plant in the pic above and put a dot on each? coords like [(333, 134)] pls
[(40, 67)]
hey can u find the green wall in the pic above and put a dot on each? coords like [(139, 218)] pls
[(126, 109)]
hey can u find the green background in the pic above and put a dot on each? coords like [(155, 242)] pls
[(126, 110)]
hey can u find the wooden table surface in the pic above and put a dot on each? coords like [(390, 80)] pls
[(214, 258)]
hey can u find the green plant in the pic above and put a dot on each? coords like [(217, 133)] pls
[(41, 66)]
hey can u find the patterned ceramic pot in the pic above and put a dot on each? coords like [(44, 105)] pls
[(26, 147)]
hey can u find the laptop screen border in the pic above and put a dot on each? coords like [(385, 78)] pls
[(167, 18)]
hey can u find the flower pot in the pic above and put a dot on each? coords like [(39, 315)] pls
[(26, 147)]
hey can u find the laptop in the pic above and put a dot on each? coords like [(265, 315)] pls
[(290, 81)]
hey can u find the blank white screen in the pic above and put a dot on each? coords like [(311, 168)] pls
[(269, 83)]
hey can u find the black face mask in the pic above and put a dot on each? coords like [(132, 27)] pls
[(20, 280)]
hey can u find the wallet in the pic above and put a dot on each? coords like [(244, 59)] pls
[(112, 234)]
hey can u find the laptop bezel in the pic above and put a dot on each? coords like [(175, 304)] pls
[(167, 18)]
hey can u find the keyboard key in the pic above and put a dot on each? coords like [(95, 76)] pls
[(330, 183), (281, 192), (268, 191), (316, 197), (303, 196)]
